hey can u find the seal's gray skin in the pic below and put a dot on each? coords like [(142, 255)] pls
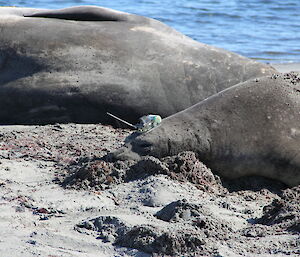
[(252, 128), (75, 64)]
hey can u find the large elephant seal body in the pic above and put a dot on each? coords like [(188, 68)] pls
[(252, 128), (75, 64)]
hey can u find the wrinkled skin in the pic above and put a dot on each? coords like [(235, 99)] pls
[(75, 64), (252, 128)]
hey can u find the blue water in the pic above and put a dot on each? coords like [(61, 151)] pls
[(267, 30)]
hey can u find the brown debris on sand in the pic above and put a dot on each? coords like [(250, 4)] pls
[(184, 167), (60, 143)]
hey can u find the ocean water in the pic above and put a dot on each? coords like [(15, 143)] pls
[(266, 30)]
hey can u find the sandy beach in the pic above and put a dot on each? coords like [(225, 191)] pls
[(62, 195), (286, 67)]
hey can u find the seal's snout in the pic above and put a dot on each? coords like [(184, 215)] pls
[(142, 147), (133, 150), (125, 153)]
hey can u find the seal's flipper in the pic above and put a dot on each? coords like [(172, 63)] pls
[(82, 13)]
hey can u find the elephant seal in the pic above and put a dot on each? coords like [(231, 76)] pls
[(76, 64), (252, 128)]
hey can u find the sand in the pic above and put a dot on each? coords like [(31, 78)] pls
[(287, 67), (62, 195)]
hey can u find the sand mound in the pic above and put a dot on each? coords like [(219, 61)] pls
[(165, 243), (100, 173), (284, 213), (196, 215), (197, 236)]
